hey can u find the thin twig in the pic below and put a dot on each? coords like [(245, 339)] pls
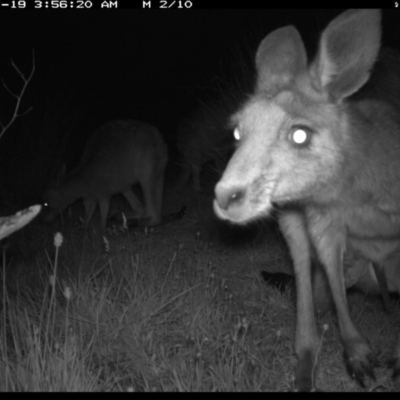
[(18, 97)]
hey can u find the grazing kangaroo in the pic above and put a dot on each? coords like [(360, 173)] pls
[(322, 140), (204, 136), (117, 155)]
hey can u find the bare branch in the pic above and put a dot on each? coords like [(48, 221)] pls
[(8, 89), (18, 97)]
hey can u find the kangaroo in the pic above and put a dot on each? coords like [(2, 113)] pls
[(118, 155), (203, 137), (322, 141)]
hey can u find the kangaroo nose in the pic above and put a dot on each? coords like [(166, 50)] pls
[(228, 197)]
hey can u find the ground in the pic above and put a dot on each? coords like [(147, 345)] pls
[(182, 304)]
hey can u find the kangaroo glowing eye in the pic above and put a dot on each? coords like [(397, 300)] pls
[(236, 134), (299, 136)]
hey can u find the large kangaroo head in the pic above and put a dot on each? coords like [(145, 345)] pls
[(296, 139)]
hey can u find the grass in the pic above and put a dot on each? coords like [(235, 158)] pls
[(156, 313)]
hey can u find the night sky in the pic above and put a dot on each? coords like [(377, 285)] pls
[(152, 65)]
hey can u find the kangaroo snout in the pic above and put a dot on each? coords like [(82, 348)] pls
[(229, 197), (229, 201)]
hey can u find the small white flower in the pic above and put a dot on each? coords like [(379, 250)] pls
[(106, 244), (67, 293), (124, 222), (58, 239)]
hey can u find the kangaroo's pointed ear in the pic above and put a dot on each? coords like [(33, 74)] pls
[(280, 57), (348, 49)]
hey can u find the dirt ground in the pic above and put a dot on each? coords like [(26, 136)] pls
[(238, 256)]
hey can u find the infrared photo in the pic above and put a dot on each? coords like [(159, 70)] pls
[(199, 199)]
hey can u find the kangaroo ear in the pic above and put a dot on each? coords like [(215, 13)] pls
[(280, 57), (347, 52)]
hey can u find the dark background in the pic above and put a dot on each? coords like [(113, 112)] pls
[(97, 65)]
